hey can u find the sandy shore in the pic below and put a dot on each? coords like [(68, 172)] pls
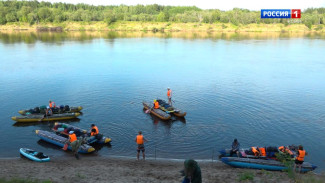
[(99, 169)]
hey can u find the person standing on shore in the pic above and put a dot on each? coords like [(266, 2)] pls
[(140, 140), (169, 96), (300, 158), (192, 172)]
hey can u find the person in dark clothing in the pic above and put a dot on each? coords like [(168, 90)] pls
[(192, 172), (235, 148)]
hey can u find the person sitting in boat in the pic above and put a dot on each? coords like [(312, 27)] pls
[(94, 131), (300, 157), (155, 104), (235, 148), (256, 151), (262, 151), (285, 149)]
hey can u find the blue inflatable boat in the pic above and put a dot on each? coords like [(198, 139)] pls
[(60, 141), (34, 155), (263, 164)]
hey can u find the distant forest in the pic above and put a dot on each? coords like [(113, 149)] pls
[(36, 12)]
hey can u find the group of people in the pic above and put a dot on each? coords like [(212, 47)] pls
[(169, 97), (76, 143), (261, 151)]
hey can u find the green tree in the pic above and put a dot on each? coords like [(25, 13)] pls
[(161, 17)]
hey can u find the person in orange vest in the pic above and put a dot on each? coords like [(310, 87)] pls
[(285, 149), (96, 131), (75, 143), (52, 104), (262, 151), (140, 140), (256, 151), (169, 96), (300, 157), (155, 104)]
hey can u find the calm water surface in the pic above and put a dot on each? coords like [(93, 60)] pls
[(262, 89)]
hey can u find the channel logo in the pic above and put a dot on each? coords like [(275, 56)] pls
[(280, 13)]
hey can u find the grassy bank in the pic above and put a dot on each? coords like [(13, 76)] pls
[(165, 27)]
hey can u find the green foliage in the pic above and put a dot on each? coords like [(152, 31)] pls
[(19, 180), (246, 176), (35, 12)]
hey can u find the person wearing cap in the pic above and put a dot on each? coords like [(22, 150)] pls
[(192, 172), (169, 96), (235, 148), (140, 140), (75, 143)]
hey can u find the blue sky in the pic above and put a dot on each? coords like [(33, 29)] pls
[(213, 4)]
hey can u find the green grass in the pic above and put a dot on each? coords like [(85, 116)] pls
[(246, 176), (20, 180)]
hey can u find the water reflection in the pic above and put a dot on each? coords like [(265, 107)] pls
[(9, 37), (46, 123)]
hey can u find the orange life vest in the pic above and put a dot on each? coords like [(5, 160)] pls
[(168, 93), (255, 151), (73, 137), (52, 104), (262, 151), (94, 133), (284, 149), (139, 139), (156, 105), (301, 156)]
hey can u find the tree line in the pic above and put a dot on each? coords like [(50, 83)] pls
[(37, 12)]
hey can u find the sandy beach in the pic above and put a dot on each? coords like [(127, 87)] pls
[(90, 169)]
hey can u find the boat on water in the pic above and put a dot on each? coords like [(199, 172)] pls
[(248, 153), (58, 140), (40, 117), (170, 109), (157, 112), (34, 155), (265, 164), (63, 129), (56, 110)]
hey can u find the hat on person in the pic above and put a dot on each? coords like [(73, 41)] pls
[(155, 100), (168, 88), (71, 132)]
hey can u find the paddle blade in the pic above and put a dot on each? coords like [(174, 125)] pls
[(147, 111)]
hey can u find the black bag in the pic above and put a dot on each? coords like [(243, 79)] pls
[(66, 108)]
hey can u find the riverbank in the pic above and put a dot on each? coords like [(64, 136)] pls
[(162, 27), (100, 169)]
